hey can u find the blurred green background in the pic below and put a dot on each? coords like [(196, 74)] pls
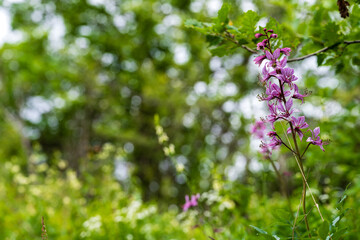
[(83, 85)]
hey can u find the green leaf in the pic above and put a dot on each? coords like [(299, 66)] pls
[(213, 40), (225, 49), (338, 234), (274, 25), (264, 234), (201, 27), (192, 23), (330, 33), (222, 19), (342, 199), (336, 220), (223, 14), (259, 230), (339, 67), (320, 59), (248, 22), (356, 61), (323, 230)]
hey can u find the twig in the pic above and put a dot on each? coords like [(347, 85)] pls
[(231, 38), (322, 50), (305, 150)]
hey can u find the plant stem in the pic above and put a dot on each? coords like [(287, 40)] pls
[(304, 183), (305, 150), (293, 133)]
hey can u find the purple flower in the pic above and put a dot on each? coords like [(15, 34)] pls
[(285, 51), (297, 95), (280, 65), (257, 35), (298, 123), (258, 129), (272, 57), (265, 149), (261, 45), (274, 92), (273, 36), (190, 202), (315, 139), (287, 110), (287, 75), (274, 143), (266, 74), (270, 30), (258, 60), (273, 117)]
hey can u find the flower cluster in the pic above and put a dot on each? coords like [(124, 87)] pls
[(281, 90), (190, 202)]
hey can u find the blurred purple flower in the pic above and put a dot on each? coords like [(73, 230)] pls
[(258, 129), (190, 202)]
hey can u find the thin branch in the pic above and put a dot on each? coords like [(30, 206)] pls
[(305, 150), (231, 38), (322, 50), (286, 145), (248, 49)]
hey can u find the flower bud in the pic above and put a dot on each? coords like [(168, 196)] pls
[(257, 35), (270, 30), (264, 29), (273, 35)]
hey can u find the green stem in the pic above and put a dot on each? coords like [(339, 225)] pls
[(305, 150), (300, 164)]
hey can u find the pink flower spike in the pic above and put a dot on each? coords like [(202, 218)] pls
[(257, 35)]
